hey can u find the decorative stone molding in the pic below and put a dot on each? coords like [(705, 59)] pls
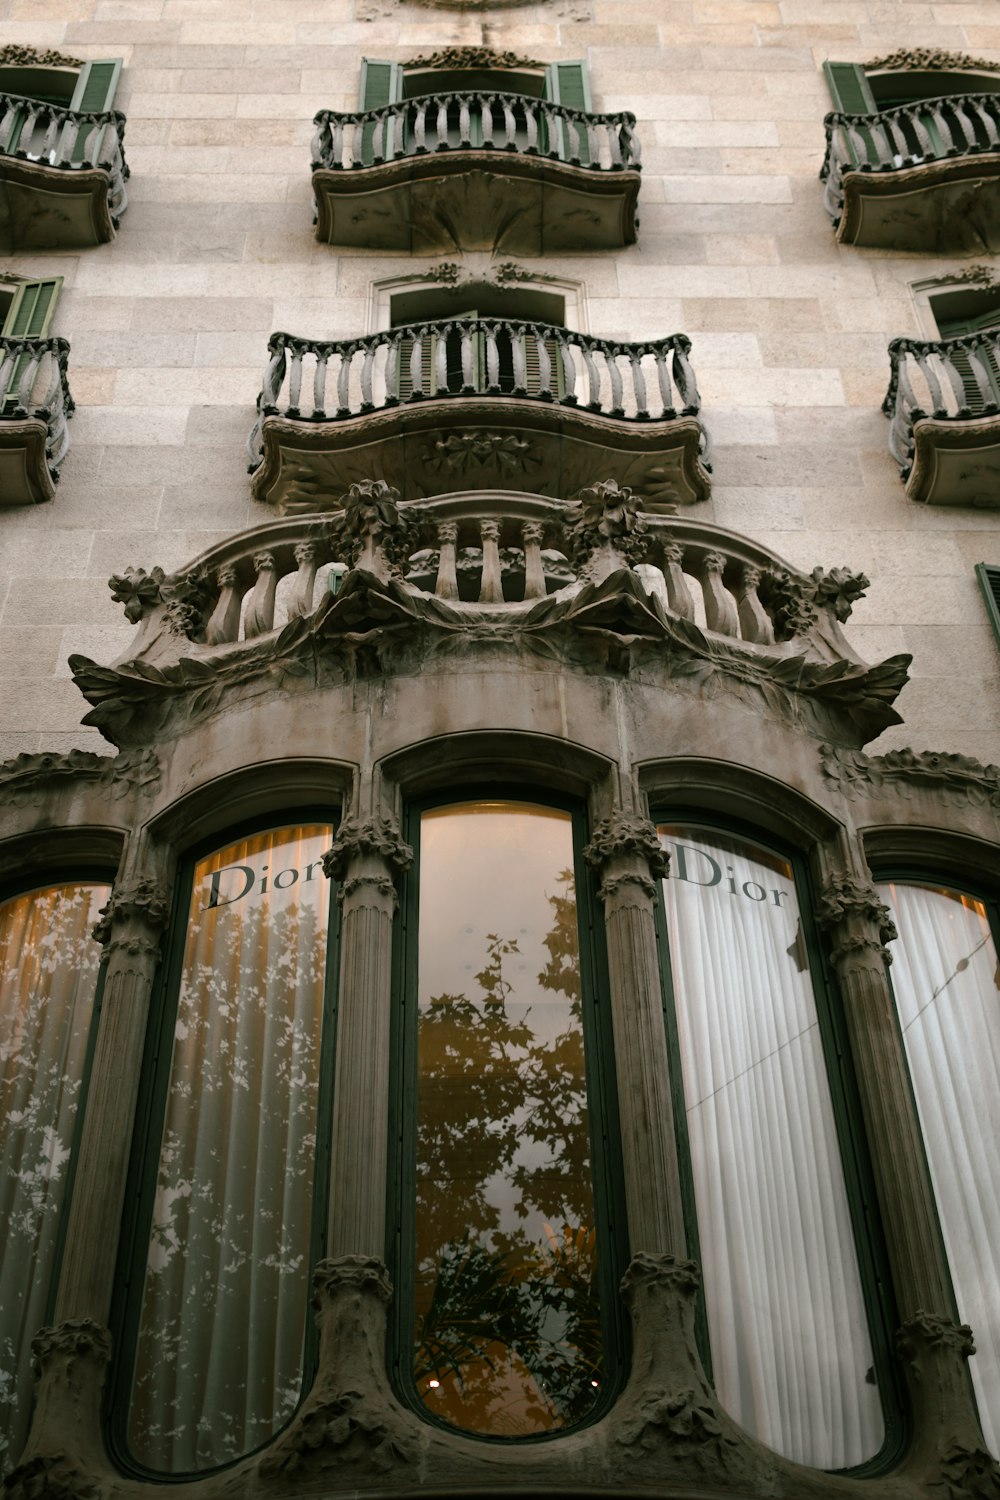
[(610, 529), (460, 451), (377, 836), (958, 780), (144, 902), (472, 57), (968, 1474), (363, 1273), (339, 1427), (794, 603), (932, 60), (927, 1330), (32, 778), (984, 276), (623, 835), (645, 1269), (371, 529), (838, 590), (50, 1477), (685, 1422), (77, 1336), (188, 597), (850, 912), (14, 56), (137, 591)]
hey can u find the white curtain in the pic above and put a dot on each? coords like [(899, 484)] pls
[(946, 980), (219, 1358), (48, 979), (789, 1338)]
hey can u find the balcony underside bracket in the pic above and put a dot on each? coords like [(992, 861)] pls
[(24, 472), (51, 208), (949, 207), (956, 462)]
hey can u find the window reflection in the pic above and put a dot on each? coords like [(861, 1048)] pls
[(507, 1333)]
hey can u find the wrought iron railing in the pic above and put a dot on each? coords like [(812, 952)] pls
[(69, 139), (907, 136), (33, 383), (487, 121), (309, 380), (952, 380)]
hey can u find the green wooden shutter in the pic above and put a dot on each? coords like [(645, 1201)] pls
[(532, 366), (381, 84), (950, 328), (29, 316), (989, 581), (428, 355), (849, 89), (94, 94), (568, 83)]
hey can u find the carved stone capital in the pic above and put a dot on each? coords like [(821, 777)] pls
[(623, 835), (533, 532), (854, 918), (145, 903), (619, 885), (75, 1337), (226, 576), (137, 591), (307, 551), (447, 532), (360, 1273), (714, 562), (264, 562), (382, 884), (645, 1270), (928, 1331), (378, 836), (489, 530)]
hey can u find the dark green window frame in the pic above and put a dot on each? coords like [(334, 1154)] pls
[(27, 308), (605, 1134), (988, 575), (859, 1177), (150, 1113)]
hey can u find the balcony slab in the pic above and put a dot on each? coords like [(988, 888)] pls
[(956, 462), (24, 472), (478, 444), (477, 200), (949, 207), (51, 208)]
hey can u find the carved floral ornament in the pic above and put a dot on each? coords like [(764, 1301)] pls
[(459, 58), (31, 778), (931, 60), (144, 902), (376, 836), (957, 779), (14, 56)]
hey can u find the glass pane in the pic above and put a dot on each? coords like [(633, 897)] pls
[(48, 979), (946, 979), (507, 1337), (219, 1358), (790, 1345)]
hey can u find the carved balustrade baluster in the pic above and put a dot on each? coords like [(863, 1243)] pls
[(420, 127), (857, 146), (224, 622), (720, 607), (510, 125), (617, 391), (337, 143), (274, 376), (392, 369), (464, 120), (573, 138), (417, 366), (925, 145), (11, 115), (441, 359), (447, 578), (687, 386), (567, 364), (639, 383), (295, 381), (929, 371), (491, 587), (442, 125), (67, 140), (520, 360), (593, 142), (300, 601), (593, 375), (319, 383), (532, 533), (955, 127), (663, 380), (679, 597), (492, 359), (755, 622), (49, 138), (486, 115), (531, 126), (344, 382), (468, 344), (367, 370), (979, 365), (544, 365), (259, 616)]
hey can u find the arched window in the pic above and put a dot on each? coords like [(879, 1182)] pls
[(795, 1338), (945, 976), (504, 1208), (48, 989), (232, 1210)]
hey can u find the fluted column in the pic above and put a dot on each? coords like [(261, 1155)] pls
[(367, 857), (627, 853), (130, 928), (933, 1347)]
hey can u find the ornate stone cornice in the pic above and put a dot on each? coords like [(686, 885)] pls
[(472, 57), (623, 834), (930, 1331), (850, 912), (76, 1336), (31, 778), (145, 902), (645, 1270), (932, 60), (377, 836), (958, 779), (15, 56), (361, 1273)]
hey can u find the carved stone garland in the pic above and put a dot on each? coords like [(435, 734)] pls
[(932, 60), (460, 58), (957, 779), (15, 56)]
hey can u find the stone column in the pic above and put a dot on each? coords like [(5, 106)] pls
[(627, 853), (933, 1347), (64, 1455), (130, 928), (367, 857)]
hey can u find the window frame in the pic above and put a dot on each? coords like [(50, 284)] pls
[(151, 1104), (868, 1235), (607, 1177)]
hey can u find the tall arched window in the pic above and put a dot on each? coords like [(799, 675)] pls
[(945, 976), (776, 1195), (48, 987), (235, 1180), (504, 1212)]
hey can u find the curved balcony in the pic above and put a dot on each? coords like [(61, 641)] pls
[(477, 402), (923, 176), (62, 175), (943, 405), (33, 435), (476, 171)]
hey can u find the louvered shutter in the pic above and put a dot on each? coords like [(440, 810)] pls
[(94, 93), (849, 89), (381, 84), (30, 316), (404, 378), (568, 83), (989, 581), (961, 359), (532, 365)]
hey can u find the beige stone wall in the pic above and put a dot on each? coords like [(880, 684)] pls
[(169, 325)]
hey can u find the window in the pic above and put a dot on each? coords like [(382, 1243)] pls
[(457, 360), (232, 1213), (87, 90), (504, 1204), (945, 976), (989, 581), (930, 132), (27, 309), (796, 1338), (48, 995)]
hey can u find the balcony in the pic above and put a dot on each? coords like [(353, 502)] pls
[(33, 435), (923, 176), (62, 175), (476, 171), (472, 403), (943, 406)]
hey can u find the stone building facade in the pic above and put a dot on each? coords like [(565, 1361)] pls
[(556, 338)]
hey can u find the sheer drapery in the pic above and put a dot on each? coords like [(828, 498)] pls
[(791, 1351), (507, 1337), (946, 979), (220, 1346), (48, 980)]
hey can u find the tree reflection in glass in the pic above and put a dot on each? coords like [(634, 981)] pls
[(507, 1329)]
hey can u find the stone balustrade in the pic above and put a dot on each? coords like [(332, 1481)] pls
[(52, 136), (943, 405), (471, 120), (923, 152), (34, 409)]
